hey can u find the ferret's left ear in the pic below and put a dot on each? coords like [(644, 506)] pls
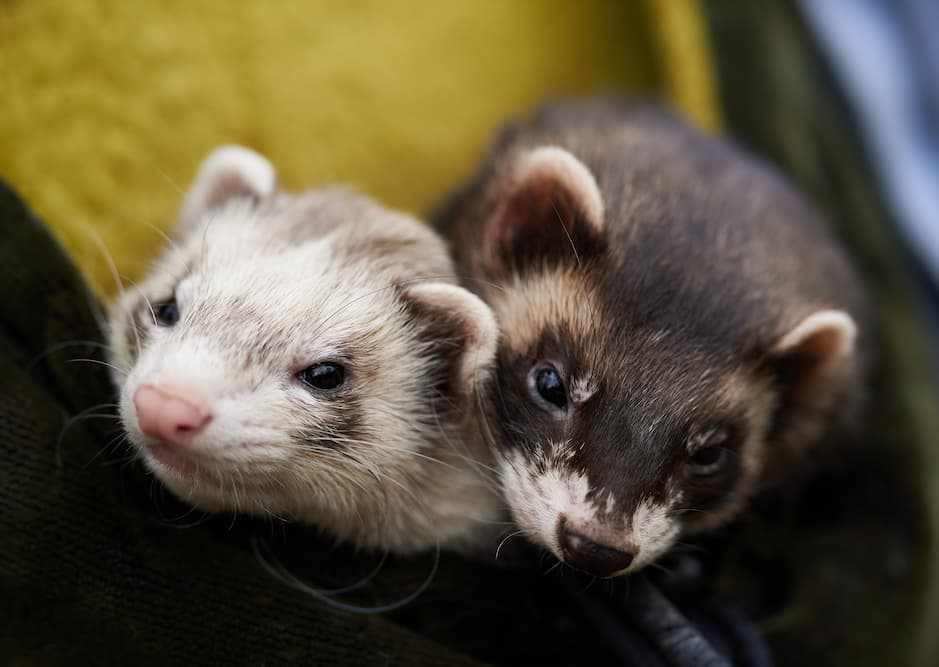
[(228, 172), (462, 330), (548, 207), (815, 350)]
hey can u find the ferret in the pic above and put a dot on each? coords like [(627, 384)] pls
[(678, 327), (309, 357)]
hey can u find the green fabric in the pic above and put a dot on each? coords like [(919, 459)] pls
[(864, 580)]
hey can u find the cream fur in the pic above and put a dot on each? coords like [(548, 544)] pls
[(543, 493), (836, 326), (262, 295), (229, 171)]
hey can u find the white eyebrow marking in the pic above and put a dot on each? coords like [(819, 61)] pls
[(583, 388), (610, 502)]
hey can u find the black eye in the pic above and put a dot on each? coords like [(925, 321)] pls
[(326, 375), (711, 455), (707, 461), (549, 386), (167, 314)]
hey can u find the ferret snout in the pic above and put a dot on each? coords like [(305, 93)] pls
[(584, 524), (169, 413), (589, 555)]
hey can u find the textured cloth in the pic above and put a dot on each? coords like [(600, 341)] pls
[(99, 566)]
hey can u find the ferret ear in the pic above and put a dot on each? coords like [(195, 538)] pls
[(228, 172), (815, 351), (463, 331), (550, 207)]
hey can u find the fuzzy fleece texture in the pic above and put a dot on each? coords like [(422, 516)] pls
[(109, 106)]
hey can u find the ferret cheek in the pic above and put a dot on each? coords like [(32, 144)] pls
[(128, 414), (701, 502)]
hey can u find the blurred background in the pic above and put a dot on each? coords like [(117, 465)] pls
[(109, 106)]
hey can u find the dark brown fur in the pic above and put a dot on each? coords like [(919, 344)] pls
[(705, 260)]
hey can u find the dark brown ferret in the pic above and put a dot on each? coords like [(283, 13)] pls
[(678, 325)]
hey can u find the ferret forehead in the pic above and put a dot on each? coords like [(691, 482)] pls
[(675, 362), (239, 228), (301, 301), (249, 258), (566, 316), (303, 284), (529, 308), (355, 229)]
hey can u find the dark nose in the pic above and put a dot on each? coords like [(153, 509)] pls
[(585, 554)]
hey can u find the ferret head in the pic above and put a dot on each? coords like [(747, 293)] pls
[(304, 357), (639, 398)]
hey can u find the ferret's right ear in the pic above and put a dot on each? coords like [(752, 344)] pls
[(462, 330), (549, 206), (814, 351), (228, 172)]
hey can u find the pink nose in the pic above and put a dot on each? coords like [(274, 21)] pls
[(170, 414)]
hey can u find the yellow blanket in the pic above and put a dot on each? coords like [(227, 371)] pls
[(108, 106)]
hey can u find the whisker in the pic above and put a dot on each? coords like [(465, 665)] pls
[(291, 580), (506, 539), (566, 233), (112, 268), (166, 177), (466, 278), (61, 346), (115, 442), (97, 361), (551, 569)]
